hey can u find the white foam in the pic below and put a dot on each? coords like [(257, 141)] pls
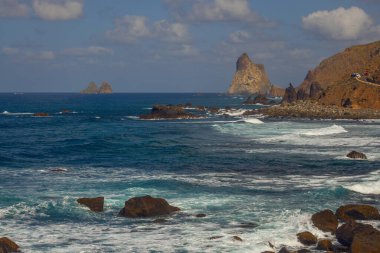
[(253, 121), (334, 129), (133, 117), (16, 113), (232, 112), (370, 184)]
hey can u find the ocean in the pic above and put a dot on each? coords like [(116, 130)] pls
[(257, 178)]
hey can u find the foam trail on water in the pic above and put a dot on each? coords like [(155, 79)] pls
[(334, 129)]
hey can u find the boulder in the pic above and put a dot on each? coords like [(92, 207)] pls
[(325, 220), (325, 244), (367, 241), (200, 215), (237, 238), (307, 238), (346, 232), (7, 245), (356, 155), (357, 212), (146, 206), (94, 204)]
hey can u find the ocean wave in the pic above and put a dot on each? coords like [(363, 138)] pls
[(253, 121), (16, 113), (369, 184), (334, 129)]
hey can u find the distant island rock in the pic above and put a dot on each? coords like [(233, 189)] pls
[(92, 88), (251, 78)]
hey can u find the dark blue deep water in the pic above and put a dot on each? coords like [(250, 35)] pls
[(271, 174)]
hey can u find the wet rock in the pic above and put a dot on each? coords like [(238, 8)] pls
[(247, 225), (237, 238), (146, 206), (307, 238), (168, 112), (325, 244), (7, 245), (41, 114), (367, 240), (325, 220), (356, 155), (200, 215), (95, 204), (346, 232), (357, 212), (215, 237), (160, 221)]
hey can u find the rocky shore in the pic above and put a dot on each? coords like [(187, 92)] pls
[(313, 110)]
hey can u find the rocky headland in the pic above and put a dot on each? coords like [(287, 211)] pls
[(92, 88), (251, 78), (331, 91)]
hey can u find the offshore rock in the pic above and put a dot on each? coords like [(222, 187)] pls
[(325, 220), (168, 112), (105, 88), (357, 212), (146, 206), (249, 78), (92, 88), (356, 155), (7, 245), (94, 204)]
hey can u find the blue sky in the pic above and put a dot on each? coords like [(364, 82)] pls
[(171, 45)]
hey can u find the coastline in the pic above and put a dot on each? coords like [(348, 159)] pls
[(313, 110)]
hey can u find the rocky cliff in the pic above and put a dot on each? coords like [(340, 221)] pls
[(249, 77), (92, 88), (330, 83)]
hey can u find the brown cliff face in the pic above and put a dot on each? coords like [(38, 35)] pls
[(249, 78), (330, 83)]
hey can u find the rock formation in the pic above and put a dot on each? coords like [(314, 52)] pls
[(357, 212), (276, 91), (330, 83), (105, 88), (94, 204), (92, 88), (249, 78), (168, 112), (146, 207), (356, 155)]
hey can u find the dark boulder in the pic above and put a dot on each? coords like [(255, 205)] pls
[(325, 220), (367, 241), (325, 244), (357, 212), (7, 245), (307, 238), (356, 155), (146, 206), (200, 215), (95, 204), (237, 238), (346, 232)]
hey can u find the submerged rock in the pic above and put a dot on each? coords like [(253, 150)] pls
[(325, 220), (146, 206), (357, 212), (200, 215), (307, 238), (356, 155), (7, 245), (94, 204)]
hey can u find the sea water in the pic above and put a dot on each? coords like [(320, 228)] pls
[(257, 178)]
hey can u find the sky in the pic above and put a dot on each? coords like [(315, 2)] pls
[(172, 45)]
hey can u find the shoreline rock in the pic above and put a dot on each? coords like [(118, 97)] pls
[(147, 206), (94, 204)]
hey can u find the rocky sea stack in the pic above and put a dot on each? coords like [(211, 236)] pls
[(250, 78), (92, 88)]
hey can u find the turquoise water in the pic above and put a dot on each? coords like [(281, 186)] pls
[(257, 178)]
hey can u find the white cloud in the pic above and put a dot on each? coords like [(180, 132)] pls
[(339, 24), (87, 51), (214, 10), (131, 29), (12, 8), (58, 9), (239, 36), (9, 50)]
